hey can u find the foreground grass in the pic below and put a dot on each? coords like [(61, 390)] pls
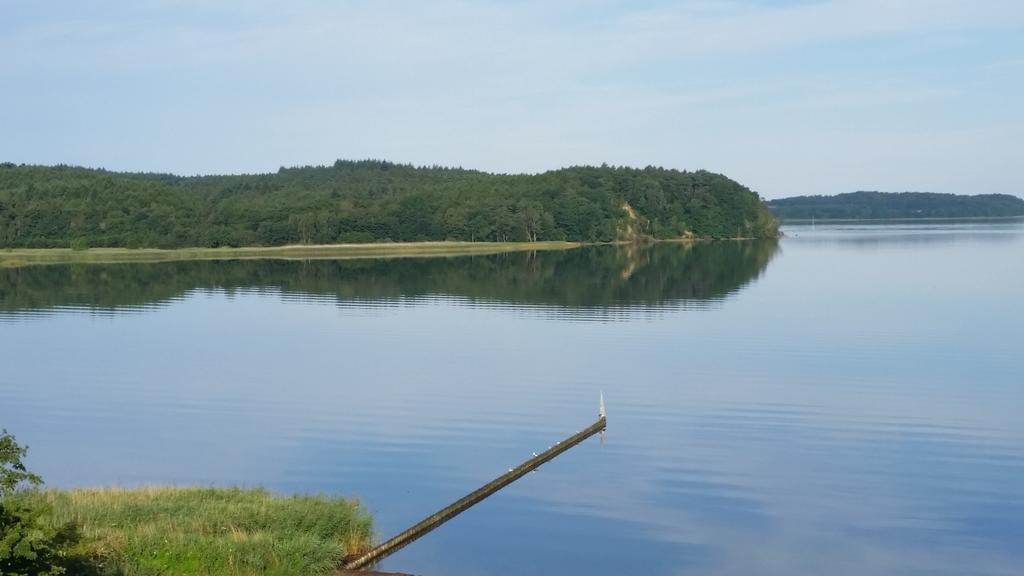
[(30, 256), (207, 531)]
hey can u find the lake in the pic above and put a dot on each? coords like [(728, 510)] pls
[(847, 400)]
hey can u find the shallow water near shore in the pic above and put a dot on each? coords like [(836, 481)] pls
[(846, 400)]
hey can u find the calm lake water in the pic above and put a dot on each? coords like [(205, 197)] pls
[(847, 400)]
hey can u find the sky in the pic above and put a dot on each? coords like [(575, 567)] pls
[(787, 97)]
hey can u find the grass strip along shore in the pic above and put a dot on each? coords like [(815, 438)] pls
[(204, 531), (12, 258)]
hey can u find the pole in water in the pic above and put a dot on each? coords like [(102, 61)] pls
[(464, 503)]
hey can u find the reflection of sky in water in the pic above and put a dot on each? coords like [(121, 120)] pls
[(855, 410)]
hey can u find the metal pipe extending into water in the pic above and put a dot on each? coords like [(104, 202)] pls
[(461, 505)]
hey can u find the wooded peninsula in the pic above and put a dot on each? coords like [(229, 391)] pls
[(369, 201), (883, 205)]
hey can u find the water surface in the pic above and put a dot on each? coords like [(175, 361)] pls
[(844, 401)]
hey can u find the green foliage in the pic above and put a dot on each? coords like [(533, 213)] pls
[(168, 531), (49, 207), (13, 473), (880, 205), (160, 531), (30, 545)]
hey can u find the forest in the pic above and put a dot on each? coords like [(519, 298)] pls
[(369, 201), (881, 205)]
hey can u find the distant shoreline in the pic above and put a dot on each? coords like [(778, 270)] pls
[(901, 219), (865, 205)]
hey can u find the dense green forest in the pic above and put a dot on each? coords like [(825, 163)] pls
[(368, 201), (601, 277), (870, 205)]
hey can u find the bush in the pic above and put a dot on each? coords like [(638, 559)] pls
[(12, 471), (29, 546)]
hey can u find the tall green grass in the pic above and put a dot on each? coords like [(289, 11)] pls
[(207, 531)]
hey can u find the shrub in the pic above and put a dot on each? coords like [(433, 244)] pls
[(12, 471), (29, 546)]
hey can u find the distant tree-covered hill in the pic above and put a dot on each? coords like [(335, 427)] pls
[(368, 201), (869, 205)]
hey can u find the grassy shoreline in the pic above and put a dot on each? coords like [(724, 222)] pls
[(205, 531), (15, 257)]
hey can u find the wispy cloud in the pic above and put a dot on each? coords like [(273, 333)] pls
[(508, 86)]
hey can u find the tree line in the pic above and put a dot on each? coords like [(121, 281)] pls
[(368, 201), (880, 205)]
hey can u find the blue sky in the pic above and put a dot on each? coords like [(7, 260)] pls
[(788, 97)]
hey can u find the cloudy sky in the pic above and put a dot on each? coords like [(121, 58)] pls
[(788, 97)]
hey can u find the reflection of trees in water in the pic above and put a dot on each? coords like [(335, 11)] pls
[(599, 277)]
